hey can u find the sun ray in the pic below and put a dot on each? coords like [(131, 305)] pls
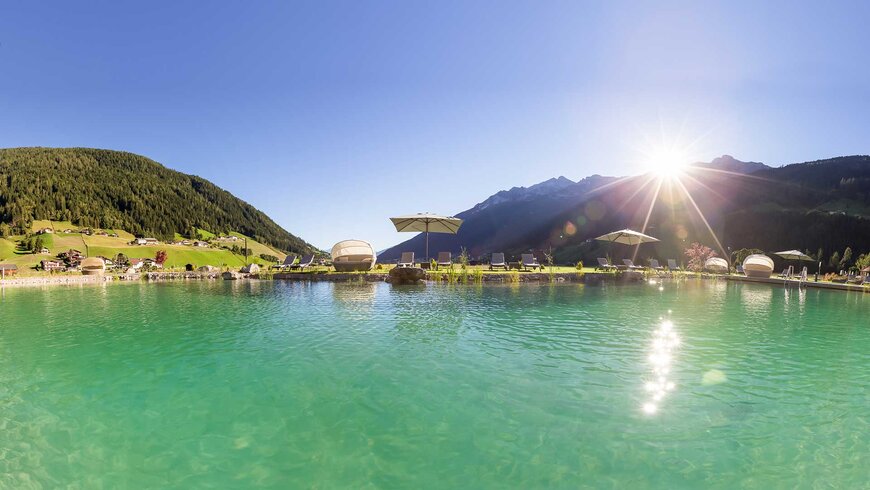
[(704, 219), (610, 184), (705, 186), (652, 205), (694, 168), (625, 202)]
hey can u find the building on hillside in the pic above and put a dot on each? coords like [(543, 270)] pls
[(43, 231), (7, 270), (52, 265), (45, 251), (86, 231), (113, 235), (151, 263), (200, 243), (101, 233), (68, 230), (71, 258), (71, 254)]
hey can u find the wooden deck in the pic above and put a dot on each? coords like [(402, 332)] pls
[(797, 283)]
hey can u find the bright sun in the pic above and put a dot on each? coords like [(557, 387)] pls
[(668, 162)]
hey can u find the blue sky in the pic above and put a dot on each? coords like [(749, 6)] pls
[(333, 116)]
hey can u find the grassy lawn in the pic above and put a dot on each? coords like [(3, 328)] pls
[(256, 247), (177, 255)]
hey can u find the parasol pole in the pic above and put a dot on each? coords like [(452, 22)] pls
[(427, 241)]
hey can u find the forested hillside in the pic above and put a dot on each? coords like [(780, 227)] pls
[(113, 189), (822, 207)]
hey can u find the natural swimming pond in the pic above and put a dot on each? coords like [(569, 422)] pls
[(239, 384)]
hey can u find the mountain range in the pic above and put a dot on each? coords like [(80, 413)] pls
[(726, 204)]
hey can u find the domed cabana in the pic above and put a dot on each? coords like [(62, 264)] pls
[(758, 265), (93, 266), (353, 255), (716, 264)]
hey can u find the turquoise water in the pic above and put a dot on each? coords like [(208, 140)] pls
[(290, 385)]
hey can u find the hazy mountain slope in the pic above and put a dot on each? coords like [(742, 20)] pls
[(505, 218), (740, 204), (113, 189)]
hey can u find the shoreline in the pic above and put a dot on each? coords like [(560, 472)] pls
[(67, 280), (588, 278)]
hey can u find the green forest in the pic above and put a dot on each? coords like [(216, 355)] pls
[(119, 190)]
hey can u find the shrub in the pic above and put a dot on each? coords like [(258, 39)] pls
[(698, 255)]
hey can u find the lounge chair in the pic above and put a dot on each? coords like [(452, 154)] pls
[(739, 268), (497, 260), (288, 262), (407, 259), (529, 261), (603, 264), (787, 272), (659, 270), (628, 263), (672, 265), (444, 259), (855, 279), (304, 262)]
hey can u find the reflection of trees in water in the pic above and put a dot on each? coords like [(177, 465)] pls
[(354, 293), (430, 312), (356, 300)]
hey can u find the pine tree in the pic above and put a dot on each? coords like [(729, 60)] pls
[(847, 258), (834, 262)]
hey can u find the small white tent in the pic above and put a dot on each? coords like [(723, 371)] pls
[(353, 255), (758, 265), (93, 266), (716, 264)]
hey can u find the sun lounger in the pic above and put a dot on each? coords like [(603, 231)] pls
[(497, 261), (407, 259), (787, 272), (529, 261), (672, 265), (603, 264), (659, 270), (628, 263), (288, 261), (304, 262), (855, 279), (444, 259)]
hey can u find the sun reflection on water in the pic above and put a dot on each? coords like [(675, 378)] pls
[(665, 342)]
